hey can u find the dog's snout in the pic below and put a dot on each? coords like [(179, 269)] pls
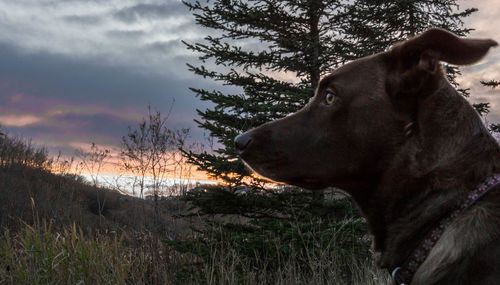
[(242, 141)]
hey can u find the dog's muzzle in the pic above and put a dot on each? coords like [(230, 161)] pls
[(242, 141)]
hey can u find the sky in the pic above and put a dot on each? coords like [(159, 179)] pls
[(77, 71)]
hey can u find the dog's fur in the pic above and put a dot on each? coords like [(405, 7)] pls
[(406, 146)]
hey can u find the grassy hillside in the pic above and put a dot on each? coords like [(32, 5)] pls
[(52, 234), (66, 200)]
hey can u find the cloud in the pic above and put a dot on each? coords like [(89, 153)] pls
[(119, 32), (83, 20), (54, 77), (19, 120), (148, 12), (161, 46), (57, 99), (126, 35), (486, 24), (485, 21)]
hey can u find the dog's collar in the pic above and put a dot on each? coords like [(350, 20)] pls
[(403, 275)]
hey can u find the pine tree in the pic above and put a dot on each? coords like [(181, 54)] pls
[(258, 42), (484, 108), (374, 25)]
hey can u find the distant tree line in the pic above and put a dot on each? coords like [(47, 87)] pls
[(19, 152)]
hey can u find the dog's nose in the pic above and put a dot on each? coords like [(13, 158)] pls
[(242, 141)]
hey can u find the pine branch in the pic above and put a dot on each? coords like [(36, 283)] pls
[(491, 83)]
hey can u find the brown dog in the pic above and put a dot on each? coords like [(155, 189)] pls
[(390, 130)]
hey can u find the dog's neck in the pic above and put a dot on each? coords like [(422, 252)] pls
[(432, 172)]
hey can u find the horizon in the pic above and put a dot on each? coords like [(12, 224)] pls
[(127, 184)]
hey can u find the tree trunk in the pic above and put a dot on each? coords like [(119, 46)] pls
[(314, 15)]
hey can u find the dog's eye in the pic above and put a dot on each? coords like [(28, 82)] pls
[(330, 98)]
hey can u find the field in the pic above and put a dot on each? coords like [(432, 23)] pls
[(57, 228), (52, 235)]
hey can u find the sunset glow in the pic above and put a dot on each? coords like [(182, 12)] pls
[(76, 72)]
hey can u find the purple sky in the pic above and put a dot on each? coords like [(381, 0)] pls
[(77, 71)]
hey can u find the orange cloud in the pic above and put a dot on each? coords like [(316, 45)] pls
[(19, 120)]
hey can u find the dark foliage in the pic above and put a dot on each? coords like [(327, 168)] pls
[(276, 226), (484, 108), (255, 44), (16, 152)]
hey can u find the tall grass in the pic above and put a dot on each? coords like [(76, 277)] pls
[(37, 255), (40, 255), (276, 238), (297, 253), (326, 265)]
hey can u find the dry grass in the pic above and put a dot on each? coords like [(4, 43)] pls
[(40, 255), (221, 261), (67, 246)]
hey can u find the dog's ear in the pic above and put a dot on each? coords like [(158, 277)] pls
[(416, 62), (444, 46)]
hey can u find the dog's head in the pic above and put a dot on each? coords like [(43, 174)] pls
[(360, 116)]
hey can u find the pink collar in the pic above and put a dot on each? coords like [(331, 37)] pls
[(404, 274)]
